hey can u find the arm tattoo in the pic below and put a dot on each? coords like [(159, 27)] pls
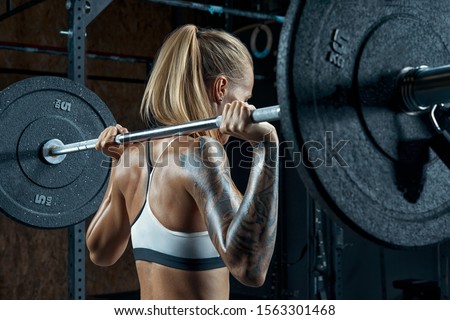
[(242, 228)]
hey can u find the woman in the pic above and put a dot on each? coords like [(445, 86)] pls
[(189, 225)]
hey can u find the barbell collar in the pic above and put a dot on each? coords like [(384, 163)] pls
[(423, 87), (47, 154), (259, 115)]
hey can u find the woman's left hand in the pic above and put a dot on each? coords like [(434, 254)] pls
[(237, 122)]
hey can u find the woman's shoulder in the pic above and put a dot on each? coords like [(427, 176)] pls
[(203, 148), (185, 155), (199, 154), (132, 163), (134, 155)]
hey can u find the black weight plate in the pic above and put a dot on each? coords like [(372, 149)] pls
[(33, 111), (337, 70)]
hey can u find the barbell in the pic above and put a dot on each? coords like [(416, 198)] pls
[(54, 150), (361, 84)]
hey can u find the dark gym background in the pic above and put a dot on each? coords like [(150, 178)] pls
[(314, 258)]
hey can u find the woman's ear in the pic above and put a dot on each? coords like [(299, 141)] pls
[(219, 89)]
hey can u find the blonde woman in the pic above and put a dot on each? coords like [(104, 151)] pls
[(189, 225)]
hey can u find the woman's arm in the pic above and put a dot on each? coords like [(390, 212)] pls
[(242, 228), (109, 231)]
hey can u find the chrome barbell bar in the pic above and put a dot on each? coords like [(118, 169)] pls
[(54, 151)]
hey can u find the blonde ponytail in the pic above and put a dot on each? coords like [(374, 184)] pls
[(187, 63)]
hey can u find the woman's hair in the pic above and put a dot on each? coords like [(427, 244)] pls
[(186, 65)]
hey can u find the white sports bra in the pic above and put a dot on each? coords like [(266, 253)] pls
[(153, 242)]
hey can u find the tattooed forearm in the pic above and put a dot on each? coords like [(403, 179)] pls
[(243, 228), (258, 210)]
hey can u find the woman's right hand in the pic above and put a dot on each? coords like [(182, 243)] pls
[(106, 141)]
